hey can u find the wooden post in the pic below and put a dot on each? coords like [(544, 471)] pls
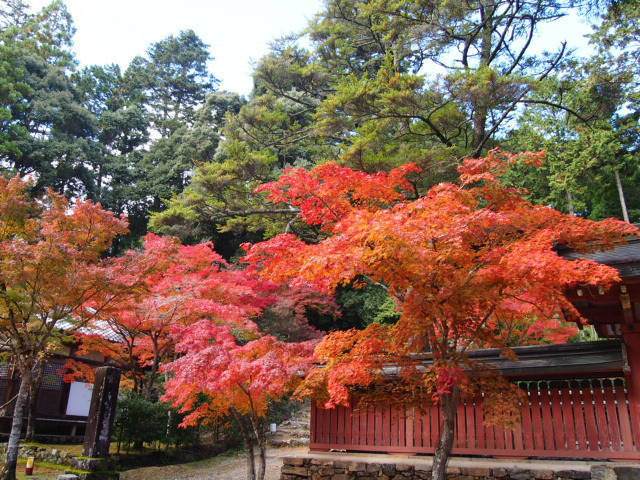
[(632, 344), (102, 412), (11, 389)]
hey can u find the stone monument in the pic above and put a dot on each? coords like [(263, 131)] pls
[(95, 460)]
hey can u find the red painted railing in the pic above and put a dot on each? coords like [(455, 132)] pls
[(574, 419)]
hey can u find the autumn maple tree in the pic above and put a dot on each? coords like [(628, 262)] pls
[(196, 317), (178, 285), (225, 365), (117, 332), (216, 376), (51, 270), (469, 264)]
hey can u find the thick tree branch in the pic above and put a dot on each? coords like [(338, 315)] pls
[(561, 107), (519, 98)]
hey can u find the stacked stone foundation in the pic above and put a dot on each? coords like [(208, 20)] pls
[(310, 468)]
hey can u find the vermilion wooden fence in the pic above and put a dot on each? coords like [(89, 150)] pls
[(581, 419)]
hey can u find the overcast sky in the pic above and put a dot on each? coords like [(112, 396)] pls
[(238, 31)]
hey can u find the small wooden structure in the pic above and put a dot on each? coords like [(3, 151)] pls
[(61, 407), (564, 417), (583, 399)]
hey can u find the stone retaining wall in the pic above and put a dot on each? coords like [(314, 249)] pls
[(42, 454), (321, 468)]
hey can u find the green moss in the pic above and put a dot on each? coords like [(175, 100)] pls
[(72, 448), (55, 466)]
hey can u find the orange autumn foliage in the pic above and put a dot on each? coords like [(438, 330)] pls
[(51, 270), (470, 264)]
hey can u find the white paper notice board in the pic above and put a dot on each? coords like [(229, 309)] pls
[(79, 399)]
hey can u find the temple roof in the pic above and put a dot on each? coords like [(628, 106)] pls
[(626, 258)]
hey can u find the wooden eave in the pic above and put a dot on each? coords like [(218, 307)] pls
[(585, 358), (567, 360)]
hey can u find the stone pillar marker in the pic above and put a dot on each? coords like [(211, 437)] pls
[(102, 412), (95, 462)]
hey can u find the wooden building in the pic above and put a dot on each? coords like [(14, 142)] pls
[(61, 407), (583, 399)]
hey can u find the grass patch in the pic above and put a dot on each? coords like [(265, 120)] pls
[(41, 471)]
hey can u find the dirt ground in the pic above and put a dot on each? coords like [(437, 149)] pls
[(228, 466)]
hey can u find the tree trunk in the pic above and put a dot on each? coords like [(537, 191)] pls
[(168, 429), (449, 404), (30, 436), (154, 371), (248, 442), (262, 448), (572, 209), (623, 203), (31, 415), (148, 390), (480, 104), (11, 458), (479, 127), (251, 460)]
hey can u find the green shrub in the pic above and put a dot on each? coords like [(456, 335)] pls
[(140, 421)]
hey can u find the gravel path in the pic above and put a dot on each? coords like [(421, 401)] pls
[(229, 466)]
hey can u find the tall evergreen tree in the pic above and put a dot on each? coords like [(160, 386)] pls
[(175, 79), (593, 160), (384, 83), (45, 130)]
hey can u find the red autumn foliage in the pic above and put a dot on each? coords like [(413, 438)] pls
[(214, 376), (291, 316), (327, 193), (178, 285), (234, 376), (225, 366), (196, 315)]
